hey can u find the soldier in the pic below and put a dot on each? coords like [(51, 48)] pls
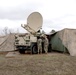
[(39, 44), (46, 43)]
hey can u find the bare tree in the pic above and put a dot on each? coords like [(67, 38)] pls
[(5, 30), (11, 31)]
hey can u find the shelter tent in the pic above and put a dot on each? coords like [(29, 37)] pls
[(7, 42), (64, 40)]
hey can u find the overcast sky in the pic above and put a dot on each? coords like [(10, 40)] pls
[(57, 14)]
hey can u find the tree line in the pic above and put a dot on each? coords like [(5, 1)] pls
[(6, 31)]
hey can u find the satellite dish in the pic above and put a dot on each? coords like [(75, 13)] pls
[(34, 21)]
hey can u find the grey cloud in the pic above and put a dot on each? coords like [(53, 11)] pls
[(49, 24), (19, 12)]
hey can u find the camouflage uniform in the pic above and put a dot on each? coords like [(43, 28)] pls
[(39, 43), (46, 44)]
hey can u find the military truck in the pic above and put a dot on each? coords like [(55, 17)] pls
[(28, 41)]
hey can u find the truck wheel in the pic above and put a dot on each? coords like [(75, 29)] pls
[(34, 50)]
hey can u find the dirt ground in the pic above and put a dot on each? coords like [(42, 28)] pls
[(42, 64)]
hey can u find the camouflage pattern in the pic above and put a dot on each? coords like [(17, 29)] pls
[(46, 42), (39, 44)]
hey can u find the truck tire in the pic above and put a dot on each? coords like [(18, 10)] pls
[(34, 50)]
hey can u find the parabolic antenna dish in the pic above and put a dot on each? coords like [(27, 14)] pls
[(34, 21)]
